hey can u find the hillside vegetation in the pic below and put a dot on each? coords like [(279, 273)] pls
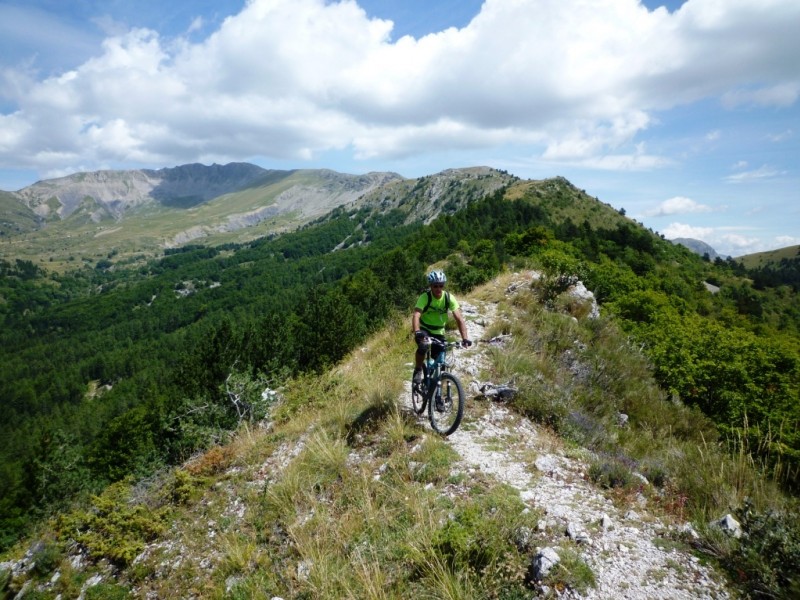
[(112, 374)]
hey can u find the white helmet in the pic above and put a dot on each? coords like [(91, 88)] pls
[(437, 277)]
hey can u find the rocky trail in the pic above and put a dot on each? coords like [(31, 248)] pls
[(627, 549)]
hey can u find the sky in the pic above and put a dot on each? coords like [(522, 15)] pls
[(686, 114)]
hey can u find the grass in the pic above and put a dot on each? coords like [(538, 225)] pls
[(347, 495)]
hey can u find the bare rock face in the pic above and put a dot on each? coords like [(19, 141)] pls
[(113, 193)]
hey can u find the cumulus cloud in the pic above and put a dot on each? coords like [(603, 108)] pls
[(677, 206), (682, 230), (292, 79)]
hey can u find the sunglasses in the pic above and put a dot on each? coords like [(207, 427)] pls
[(437, 285)]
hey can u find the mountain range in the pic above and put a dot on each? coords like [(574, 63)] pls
[(141, 212)]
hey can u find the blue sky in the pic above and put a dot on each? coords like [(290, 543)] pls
[(685, 114)]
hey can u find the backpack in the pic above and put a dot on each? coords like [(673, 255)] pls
[(430, 299)]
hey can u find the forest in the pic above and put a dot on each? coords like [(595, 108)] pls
[(112, 373)]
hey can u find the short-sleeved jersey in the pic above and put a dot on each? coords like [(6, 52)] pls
[(434, 318)]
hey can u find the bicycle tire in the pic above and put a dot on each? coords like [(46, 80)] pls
[(418, 402), (446, 418)]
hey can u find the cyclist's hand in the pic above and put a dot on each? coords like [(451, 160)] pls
[(466, 343), (420, 335)]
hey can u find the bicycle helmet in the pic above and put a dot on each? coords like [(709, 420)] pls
[(437, 277)]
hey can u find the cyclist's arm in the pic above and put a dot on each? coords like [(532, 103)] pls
[(462, 324), (415, 320)]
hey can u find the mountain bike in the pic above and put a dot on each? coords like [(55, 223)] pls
[(440, 391)]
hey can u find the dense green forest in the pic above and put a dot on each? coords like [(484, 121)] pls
[(108, 373)]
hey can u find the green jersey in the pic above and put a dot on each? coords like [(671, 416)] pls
[(434, 312)]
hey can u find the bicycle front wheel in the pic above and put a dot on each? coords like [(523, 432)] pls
[(446, 408)]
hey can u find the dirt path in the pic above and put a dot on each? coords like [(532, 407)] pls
[(627, 549)]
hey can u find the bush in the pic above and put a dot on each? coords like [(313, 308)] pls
[(610, 474), (767, 557), (114, 527), (46, 556)]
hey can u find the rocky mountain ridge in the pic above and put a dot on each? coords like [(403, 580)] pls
[(113, 194), (123, 214)]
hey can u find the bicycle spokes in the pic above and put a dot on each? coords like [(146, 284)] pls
[(447, 406)]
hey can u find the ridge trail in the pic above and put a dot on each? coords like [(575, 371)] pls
[(620, 545)]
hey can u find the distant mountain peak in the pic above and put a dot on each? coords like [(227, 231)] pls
[(698, 247)]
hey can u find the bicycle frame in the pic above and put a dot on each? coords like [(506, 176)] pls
[(435, 367), (440, 391)]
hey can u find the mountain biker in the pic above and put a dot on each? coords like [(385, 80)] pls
[(430, 317)]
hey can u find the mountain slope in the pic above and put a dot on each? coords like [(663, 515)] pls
[(769, 259), (343, 491), (15, 217)]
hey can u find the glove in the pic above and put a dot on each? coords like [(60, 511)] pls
[(419, 335), (466, 343)]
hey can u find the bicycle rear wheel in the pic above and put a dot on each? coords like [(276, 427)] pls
[(418, 397), (446, 407)]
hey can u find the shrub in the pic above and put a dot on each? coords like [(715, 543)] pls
[(46, 557), (113, 527), (610, 474), (767, 556)]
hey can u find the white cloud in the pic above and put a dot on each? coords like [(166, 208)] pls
[(296, 78), (677, 206), (725, 240), (783, 241), (781, 137), (763, 172), (681, 230)]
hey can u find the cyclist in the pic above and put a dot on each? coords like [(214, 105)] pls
[(430, 317)]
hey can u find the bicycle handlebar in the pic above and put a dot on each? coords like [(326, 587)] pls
[(446, 345)]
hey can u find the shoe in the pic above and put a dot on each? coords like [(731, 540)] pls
[(417, 376)]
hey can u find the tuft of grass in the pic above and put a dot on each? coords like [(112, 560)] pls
[(435, 459), (571, 573), (611, 474)]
